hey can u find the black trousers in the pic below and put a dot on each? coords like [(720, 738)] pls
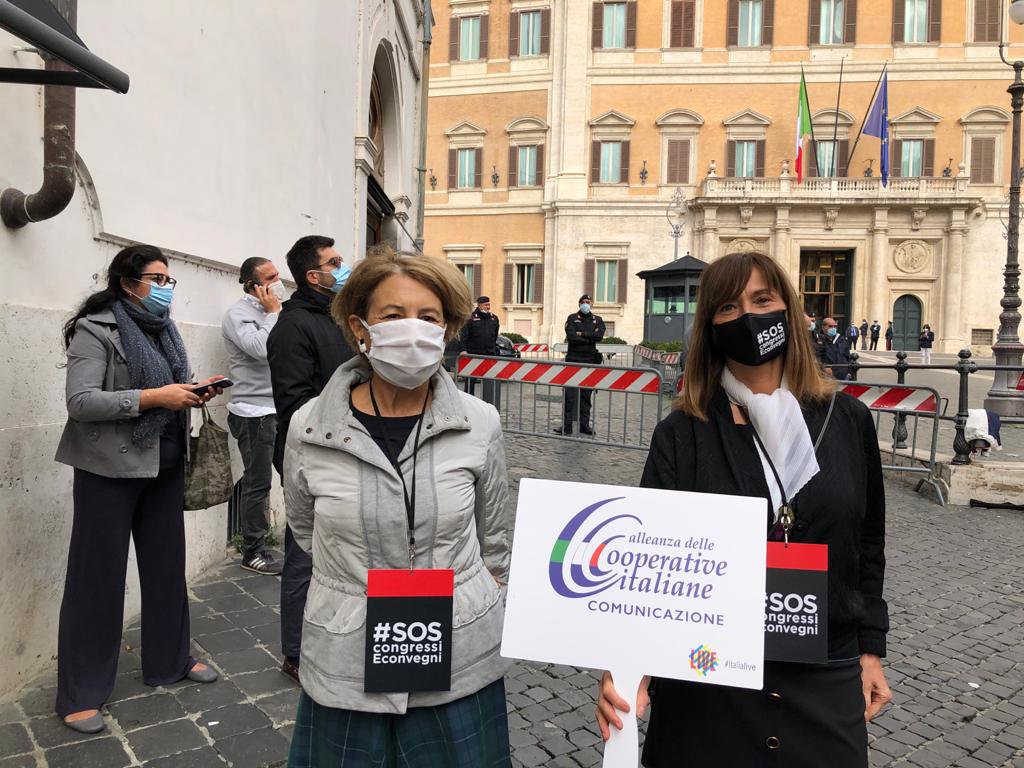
[(874, 342), (109, 512), (491, 390), (576, 407), (255, 437), (295, 575)]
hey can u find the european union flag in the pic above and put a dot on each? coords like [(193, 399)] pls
[(877, 124)]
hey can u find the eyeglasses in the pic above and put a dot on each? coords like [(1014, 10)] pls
[(159, 278), (333, 263)]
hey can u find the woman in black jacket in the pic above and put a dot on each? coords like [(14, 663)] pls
[(752, 407)]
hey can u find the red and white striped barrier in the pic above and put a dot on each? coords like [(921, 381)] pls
[(894, 398), (669, 358), (561, 374), (532, 347)]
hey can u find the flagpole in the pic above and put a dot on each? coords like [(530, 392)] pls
[(810, 117), (835, 126), (871, 103)]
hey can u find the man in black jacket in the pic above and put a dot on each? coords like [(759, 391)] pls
[(876, 331), (864, 333), (480, 337), (584, 331), (303, 350), (835, 351)]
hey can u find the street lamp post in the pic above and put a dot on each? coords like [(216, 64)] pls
[(1004, 398), (676, 215)]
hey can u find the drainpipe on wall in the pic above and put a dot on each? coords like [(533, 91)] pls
[(18, 209), (428, 22)]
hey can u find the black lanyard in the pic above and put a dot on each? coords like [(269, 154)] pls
[(786, 516), (410, 499)]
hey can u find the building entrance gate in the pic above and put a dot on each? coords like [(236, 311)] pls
[(906, 322)]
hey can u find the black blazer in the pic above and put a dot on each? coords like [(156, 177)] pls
[(842, 506)]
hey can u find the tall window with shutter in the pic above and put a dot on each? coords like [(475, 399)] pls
[(678, 168), (464, 168), (830, 158), (831, 22), (682, 24), (916, 21), (745, 158), (609, 162), (524, 283), (750, 23), (983, 160), (529, 33), (614, 24), (473, 277), (913, 157), (986, 21)]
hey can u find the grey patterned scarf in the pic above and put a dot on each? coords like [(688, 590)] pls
[(156, 357)]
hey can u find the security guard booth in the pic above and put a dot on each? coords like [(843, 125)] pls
[(671, 298)]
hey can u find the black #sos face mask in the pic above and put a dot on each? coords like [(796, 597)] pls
[(752, 339)]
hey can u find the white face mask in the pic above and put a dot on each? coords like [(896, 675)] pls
[(405, 353), (278, 290)]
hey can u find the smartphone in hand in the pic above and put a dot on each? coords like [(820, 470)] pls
[(218, 384)]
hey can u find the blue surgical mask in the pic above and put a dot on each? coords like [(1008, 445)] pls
[(340, 275), (158, 300), (585, 309), (832, 331)]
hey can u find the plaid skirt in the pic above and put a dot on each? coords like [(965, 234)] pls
[(471, 732)]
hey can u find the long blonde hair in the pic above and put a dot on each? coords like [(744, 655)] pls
[(725, 280)]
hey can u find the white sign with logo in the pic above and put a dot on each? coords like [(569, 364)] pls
[(638, 581)]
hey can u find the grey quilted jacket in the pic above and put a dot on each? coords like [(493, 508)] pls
[(102, 406), (344, 505)]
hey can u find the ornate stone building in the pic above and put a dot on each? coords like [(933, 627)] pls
[(560, 129)]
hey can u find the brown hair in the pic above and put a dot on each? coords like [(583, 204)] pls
[(724, 280), (383, 261)]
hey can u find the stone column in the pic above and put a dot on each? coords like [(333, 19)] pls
[(569, 102), (878, 300), (709, 248), (781, 244), (952, 339)]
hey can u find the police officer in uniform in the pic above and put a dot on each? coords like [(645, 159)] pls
[(584, 331), (480, 337)]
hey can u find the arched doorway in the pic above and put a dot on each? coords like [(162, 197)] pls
[(906, 322)]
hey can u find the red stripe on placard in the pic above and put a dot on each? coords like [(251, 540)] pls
[(536, 372), (798, 557), (928, 406), (509, 369), (627, 378), (484, 367), (892, 397), (594, 558), (594, 378), (433, 582), (855, 390), (566, 373)]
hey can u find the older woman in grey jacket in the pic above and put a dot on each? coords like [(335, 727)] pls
[(391, 467), (128, 395)]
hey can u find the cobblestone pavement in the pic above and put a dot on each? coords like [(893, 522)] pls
[(956, 657)]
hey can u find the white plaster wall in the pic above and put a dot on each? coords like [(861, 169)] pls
[(236, 138)]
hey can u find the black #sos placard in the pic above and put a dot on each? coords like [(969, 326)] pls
[(408, 630), (796, 603)]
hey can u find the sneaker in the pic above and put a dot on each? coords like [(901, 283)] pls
[(262, 562), (290, 667)]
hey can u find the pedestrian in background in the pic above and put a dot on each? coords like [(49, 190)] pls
[(888, 336), (128, 398), (876, 331), (584, 331), (864, 334), (303, 350), (851, 335), (761, 421), (480, 337), (924, 343), (835, 351), (252, 417), (817, 338), (392, 467)]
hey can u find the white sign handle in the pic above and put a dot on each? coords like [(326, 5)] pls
[(623, 748)]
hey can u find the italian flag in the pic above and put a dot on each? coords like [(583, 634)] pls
[(803, 128)]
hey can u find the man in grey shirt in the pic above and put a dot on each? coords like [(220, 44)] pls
[(251, 415)]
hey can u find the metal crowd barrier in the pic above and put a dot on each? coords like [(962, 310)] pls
[(531, 395), (665, 363), (900, 404)]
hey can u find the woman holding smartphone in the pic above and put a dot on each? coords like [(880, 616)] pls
[(128, 395)]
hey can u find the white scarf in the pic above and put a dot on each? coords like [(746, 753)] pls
[(780, 424)]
